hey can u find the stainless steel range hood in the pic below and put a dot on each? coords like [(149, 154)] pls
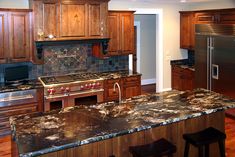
[(40, 45)]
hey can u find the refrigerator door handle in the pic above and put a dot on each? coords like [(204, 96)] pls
[(215, 71), (208, 62)]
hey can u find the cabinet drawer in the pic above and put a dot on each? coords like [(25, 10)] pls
[(132, 79), (111, 82), (11, 111), (176, 69)]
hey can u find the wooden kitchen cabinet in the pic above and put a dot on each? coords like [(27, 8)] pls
[(182, 78), (121, 32), (130, 86), (15, 35), (187, 40), (19, 36), (206, 17), (110, 94), (97, 18), (188, 19), (45, 20), (222, 16), (4, 44), (70, 19)]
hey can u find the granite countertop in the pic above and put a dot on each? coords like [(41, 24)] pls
[(26, 85), (42, 133), (34, 84), (183, 63), (117, 74)]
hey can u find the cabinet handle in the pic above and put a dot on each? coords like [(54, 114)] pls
[(213, 18)]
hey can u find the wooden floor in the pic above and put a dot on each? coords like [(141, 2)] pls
[(5, 146)]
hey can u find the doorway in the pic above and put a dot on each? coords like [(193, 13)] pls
[(158, 45)]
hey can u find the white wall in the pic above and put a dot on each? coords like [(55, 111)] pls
[(147, 45), (14, 4)]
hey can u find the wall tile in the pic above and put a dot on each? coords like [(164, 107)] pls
[(60, 60)]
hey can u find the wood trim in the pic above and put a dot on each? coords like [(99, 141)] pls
[(16, 10)]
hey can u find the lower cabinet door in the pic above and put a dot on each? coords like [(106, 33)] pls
[(131, 91)]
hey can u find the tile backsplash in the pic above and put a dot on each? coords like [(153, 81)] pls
[(60, 60)]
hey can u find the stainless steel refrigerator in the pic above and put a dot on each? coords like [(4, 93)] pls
[(215, 58)]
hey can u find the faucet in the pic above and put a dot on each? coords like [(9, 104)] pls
[(119, 90)]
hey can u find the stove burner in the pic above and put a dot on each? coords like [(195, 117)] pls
[(69, 78), (16, 83), (49, 80), (24, 87)]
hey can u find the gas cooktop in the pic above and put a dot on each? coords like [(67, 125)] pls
[(48, 80)]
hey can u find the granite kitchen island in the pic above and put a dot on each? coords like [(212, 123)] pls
[(110, 128)]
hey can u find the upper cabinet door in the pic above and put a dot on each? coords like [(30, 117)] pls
[(70, 19), (45, 16), (97, 18), (73, 19), (114, 35), (121, 32), (127, 32), (19, 35), (187, 30), (3, 37), (227, 17), (50, 19), (206, 17)]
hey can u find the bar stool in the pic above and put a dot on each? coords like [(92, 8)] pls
[(158, 148), (203, 139)]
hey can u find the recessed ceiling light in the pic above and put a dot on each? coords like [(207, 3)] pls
[(182, 1)]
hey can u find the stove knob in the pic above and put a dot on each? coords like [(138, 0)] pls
[(53, 91), (97, 84), (86, 86), (90, 86), (62, 89), (49, 91), (67, 89), (82, 87), (93, 85)]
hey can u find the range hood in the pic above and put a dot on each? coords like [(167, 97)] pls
[(41, 44)]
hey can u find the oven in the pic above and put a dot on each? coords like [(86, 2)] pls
[(72, 90), (18, 98)]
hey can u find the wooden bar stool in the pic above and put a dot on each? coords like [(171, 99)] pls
[(203, 139), (159, 148)]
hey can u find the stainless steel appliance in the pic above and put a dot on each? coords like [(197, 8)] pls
[(18, 95), (215, 59), (71, 90)]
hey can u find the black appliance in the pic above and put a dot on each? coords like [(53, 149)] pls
[(16, 73)]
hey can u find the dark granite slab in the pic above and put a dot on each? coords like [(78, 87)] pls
[(117, 74), (42, 133), (183, 63)]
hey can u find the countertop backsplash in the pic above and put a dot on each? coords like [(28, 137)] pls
[(78, 58), (59, 60), (34, 70)]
